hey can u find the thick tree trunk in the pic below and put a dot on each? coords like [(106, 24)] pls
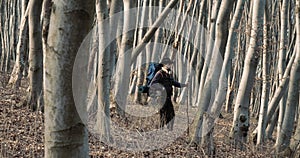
[(216, 78), (65, 133)]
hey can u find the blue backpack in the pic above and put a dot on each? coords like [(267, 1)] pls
[(152, 70)]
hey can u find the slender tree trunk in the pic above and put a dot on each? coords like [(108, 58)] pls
[(293, 93), (281, 89), (240, 126), (65, 133), (271, 125), (150, 33), (262, 123), (103, 114), (35, 54), (204, 94), (142, 58), (115, 7), (219, 49), (210, 47), (158, 34), (123, 66), (296, 138), (22, 46), (282, 59)]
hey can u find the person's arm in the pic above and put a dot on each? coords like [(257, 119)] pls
[(178, 84)]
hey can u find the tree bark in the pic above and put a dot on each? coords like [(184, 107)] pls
[(103, 113), (65, 134), (35, 54)]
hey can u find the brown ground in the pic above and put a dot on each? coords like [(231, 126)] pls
[(21, 133)]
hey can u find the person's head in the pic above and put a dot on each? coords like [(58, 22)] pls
[(167, 62)]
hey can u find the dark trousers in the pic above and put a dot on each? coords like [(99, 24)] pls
[(167, 114)]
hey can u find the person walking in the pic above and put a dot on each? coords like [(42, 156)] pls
[(164, 82)]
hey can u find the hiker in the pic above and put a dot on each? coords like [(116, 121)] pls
[(164, 78)]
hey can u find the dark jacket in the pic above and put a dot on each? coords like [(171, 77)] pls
[(167, 81)]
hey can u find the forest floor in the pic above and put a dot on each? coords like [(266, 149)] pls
[(22, 133)]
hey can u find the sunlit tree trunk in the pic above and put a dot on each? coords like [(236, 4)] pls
[(240, 126), (210, 46), (21, 50), (262, 123), (219, 75), (293, 93), (212, 58), (282, 59), (65, 133)]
